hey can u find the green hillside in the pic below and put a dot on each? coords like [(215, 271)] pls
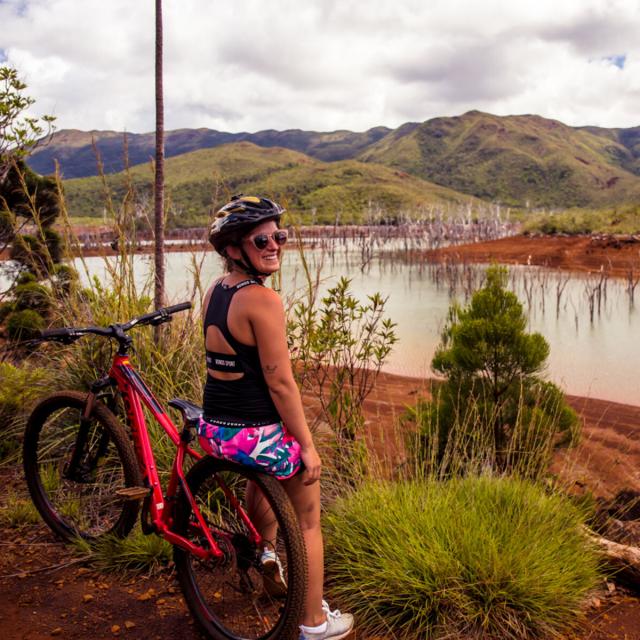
[(75, 151), (523, 161), (200, 181), (517, 160)]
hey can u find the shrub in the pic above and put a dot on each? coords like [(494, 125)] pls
[(25, 277), (492, 409), (24, 325), (34, 296), (482, 557), (64, 279), (5, 309), (20, 386), (338, 348), (453, 433)]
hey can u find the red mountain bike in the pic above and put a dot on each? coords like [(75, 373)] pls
[(90, 476)]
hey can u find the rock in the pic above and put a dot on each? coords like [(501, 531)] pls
[(87, 597), (57, 631)]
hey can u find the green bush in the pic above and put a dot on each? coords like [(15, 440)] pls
[(32, 296), (24, 325), (453, 432), (5, 309), (64, 278), (492, 410), (20, 386), (338, 348), (479, 557), (25, 277)]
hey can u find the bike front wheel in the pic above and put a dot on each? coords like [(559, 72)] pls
[(75, 466), (248, 594)]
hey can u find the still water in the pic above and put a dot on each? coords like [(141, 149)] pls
[(599, 358)]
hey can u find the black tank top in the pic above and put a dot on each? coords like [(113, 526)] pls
[(235, 403)]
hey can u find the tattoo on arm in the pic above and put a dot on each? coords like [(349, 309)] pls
[(269, 368)]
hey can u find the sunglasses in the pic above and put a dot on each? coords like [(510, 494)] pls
[(261, 240)]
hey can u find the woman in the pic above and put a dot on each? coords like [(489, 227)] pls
[(251, 400)]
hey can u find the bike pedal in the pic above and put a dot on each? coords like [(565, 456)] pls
[(133, 493)]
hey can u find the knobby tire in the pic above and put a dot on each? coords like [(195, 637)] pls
[(230, 599), (82, 502)]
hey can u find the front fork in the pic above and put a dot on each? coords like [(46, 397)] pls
[(81, 465)]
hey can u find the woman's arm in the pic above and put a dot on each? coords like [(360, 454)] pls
[(268, 322)]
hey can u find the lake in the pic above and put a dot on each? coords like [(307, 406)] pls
[(596, 358)]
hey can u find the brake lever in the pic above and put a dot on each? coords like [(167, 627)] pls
[(161, 320)]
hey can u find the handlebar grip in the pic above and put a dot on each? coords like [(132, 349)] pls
[(182, 306)]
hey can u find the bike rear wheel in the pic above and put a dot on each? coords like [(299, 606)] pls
[(235, 597), (74, 468)]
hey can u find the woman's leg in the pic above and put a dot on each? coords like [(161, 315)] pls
[(306, 502)]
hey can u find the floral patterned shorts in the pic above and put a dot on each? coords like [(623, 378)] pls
[(271, 448)]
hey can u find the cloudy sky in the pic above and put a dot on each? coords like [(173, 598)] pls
[(247, 65)]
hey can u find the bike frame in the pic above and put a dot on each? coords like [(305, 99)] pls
[(135, 394)]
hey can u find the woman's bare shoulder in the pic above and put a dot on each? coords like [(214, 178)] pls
[(261, 297)]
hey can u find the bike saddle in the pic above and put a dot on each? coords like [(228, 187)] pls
[(191, 413)]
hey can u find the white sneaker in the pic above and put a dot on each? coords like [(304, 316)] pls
[(273, 580), (339, 625)]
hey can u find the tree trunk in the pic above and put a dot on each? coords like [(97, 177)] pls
[(622, 558), (159, 173)]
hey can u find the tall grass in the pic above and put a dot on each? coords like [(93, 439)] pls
[(482, 557), (137, 553)]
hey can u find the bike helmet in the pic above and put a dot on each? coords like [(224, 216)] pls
[(235, 219)]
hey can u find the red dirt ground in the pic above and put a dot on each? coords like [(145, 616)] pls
[(617, 255)]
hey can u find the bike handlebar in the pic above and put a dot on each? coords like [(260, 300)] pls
[(68, 335)]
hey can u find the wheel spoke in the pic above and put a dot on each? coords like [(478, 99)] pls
[(230, 600)]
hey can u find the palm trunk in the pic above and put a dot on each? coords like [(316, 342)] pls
[(159, 173)]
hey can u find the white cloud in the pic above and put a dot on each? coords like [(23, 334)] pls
[(325, 64)]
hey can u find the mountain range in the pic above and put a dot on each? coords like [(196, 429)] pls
[(521, 161)]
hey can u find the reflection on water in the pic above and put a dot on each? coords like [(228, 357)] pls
[(598, 358)]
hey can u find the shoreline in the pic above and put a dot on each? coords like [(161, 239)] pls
[(617, 256), (605, 461)]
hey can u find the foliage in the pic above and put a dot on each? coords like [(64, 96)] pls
[(5, 309), (623, 219), (137, 553), (487, 340), (338, 348), (492, 409), (20, 386), (29, 205), (18, 511), (479, 558), (454, 434), (32, 296), (24, 325), (18, 133)]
